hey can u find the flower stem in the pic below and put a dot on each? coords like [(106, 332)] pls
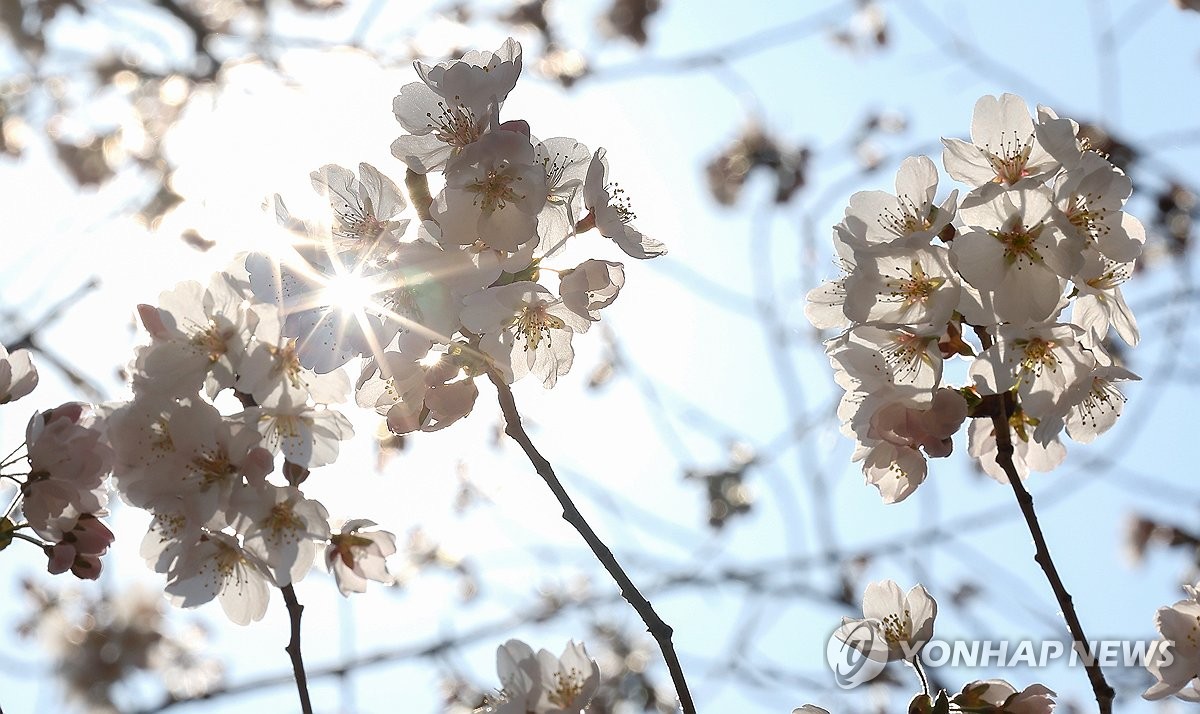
[(1004, 458), (36, 541), (660, 630), (916, 665), (295, 610)]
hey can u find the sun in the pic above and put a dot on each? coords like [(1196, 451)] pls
[(351, 293)]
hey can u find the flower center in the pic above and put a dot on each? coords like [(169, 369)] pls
[(906, 353), (916, 288), (567, 687), (1037, 354), (904, 220), (535, 324), (897, 629), (211, 339), (620, 203), (1019, 242), (494, 190), (1010, 159), (456, 125), (214, 468)]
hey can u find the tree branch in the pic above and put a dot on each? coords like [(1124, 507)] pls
[(295, 610), (1004, 458), (658, 629)]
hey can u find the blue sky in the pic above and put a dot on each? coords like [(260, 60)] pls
[(699, 349)]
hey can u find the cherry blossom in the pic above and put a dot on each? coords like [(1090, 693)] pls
[(18, 376), (68, 466), (1029, 454), (365, 209), (565, 162), (525, 330), (216, 566), (904, 623), (355, 555), (495, 190), (1015, 251), (453, 105), (280, 526), (307, 435), (1004, 145), (612, 214), (591, 286), (542, 683), (1178, 624), (909, 219), (196, 334), (1091, 198), (1000, 697)]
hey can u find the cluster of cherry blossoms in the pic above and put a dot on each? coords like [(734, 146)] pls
[(61, 478), (543, 683), (1031, 261), (235, 396), (221, 528)]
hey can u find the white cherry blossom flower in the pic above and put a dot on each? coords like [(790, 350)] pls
[(591, 286), (565, 162), (18, 376), (1096, 402), (1178, 624), (197, 335), (494, 192), (1004, 146), (1091, 198), (305, 289), (896, 471), (68, 465), (824, 305), (930, 429), (907, 286), (272, 367), (612, 214), (307, 436), (543, 683), (907, 360), (525, 329), (365, 209), (1015, 251), (206, 459), (216, 566), (280, 526), (903, 622), (355, 555), (1100, 304), (415, 392), (1028, 454), (1041, 363), (879, 220), (454, 105)]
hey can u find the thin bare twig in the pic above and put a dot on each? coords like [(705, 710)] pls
[(1004, 458), (658, 629), (295, 610)]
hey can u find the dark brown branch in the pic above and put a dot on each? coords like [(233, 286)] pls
[(658, 629), (1003, 406), (295, 610)]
